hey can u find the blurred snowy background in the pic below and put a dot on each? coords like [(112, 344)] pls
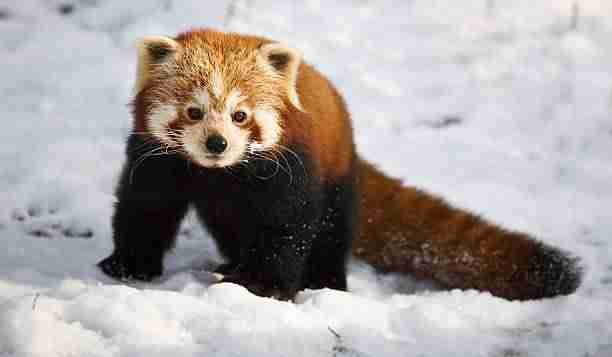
[(504, 107)]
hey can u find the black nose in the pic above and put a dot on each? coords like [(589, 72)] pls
[(216, 144)]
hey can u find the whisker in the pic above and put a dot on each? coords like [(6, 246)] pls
[(150, 153), (140, 133), (299, 159), (230, 171), (143, 144), (140, 160), (265, 156), (289, 168)]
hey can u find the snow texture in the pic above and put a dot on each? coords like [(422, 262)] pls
[(502, 107)]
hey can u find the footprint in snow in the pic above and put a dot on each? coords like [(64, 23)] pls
[(46, 223)]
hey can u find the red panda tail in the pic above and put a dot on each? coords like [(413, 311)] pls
[(403, 229)]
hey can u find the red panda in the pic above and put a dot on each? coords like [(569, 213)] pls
[(261, 145)]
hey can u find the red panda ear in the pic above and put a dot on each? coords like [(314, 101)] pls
[(152, 51), (285, 61)]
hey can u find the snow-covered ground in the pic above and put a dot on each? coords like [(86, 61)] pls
[(502, 107)]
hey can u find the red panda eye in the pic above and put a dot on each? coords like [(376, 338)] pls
[(239, 117), (195, 113)]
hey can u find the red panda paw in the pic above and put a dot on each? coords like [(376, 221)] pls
[(120, 269)]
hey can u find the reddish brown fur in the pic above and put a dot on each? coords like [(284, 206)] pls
[(324, 128), (139, 112), (406, 230)]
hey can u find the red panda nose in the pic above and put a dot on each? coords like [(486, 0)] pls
[(216, 144)]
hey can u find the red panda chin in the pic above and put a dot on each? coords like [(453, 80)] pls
[(213, 162)]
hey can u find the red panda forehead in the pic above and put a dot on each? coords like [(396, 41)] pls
[(208, 50), (220, 64), (222, 72), (220, 41)]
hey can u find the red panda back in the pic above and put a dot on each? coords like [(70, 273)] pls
[(323, 127)]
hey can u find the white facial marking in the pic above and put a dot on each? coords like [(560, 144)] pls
[(201, 98), (158, 121), (268, 121), (232, 101), (216, 84)]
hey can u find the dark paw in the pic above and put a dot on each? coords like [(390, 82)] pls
[(260, 287), (120, 269)]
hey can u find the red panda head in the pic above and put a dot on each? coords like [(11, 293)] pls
[(216, 98)]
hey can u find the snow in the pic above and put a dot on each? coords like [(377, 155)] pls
[(499, 106)]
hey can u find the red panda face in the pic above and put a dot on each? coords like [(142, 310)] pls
[(214, 97), (215, 130)]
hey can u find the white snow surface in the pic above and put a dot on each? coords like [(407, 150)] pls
[(502, 107)]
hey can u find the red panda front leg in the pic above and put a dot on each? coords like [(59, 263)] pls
[(273, 258), (275, 265), (305, 250), (147, 215), (276, 241)]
